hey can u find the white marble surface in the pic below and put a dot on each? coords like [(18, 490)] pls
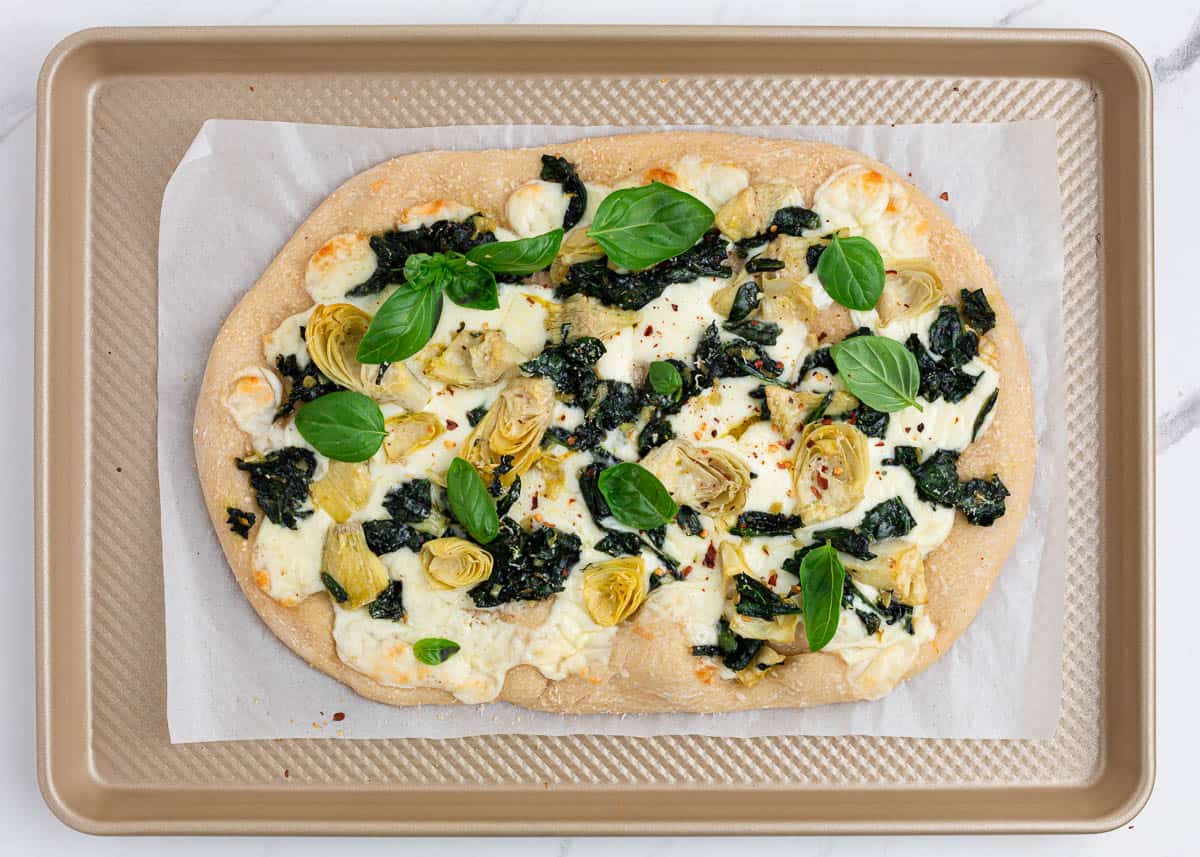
[(1167, 34)]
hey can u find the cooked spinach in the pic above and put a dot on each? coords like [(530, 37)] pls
[(475, 415), (819, 358), (239, 522), (335, 589), (873, 613), (756, 599), (743, 650), (393, 248), (561, 171), (790, 220), (762, 332), (888, 520), (527, 565), (950, 340), (634, 289), (977, 311), (589, 487), (583, 437), (869, 421), (812, 256), (715, 359), (389, 604), (983, 412), (760, 264), (571, 366), (745, 300), (982, 500), (303, 385), (410, 502), (620, 543), (846, 540), (765, 524), (615, 404), (386, 535), (938, 377), (505, 497), (280, 483), (688, 520)]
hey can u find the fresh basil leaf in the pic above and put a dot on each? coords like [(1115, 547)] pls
[(470, 501), (642, 226), (344, 426), (665, 378), (881, 372), (822, 576), (473, 287), (403, 325), (851, 270), (523, 256), (434, 650), (635, 497)]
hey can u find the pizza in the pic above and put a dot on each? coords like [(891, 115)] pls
[(676, 422)]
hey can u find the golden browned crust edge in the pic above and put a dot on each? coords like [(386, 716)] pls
[(651, 668)]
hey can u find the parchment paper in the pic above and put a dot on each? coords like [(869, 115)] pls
[(244, 187)]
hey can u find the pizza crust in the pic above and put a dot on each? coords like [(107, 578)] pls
[(651, 668)]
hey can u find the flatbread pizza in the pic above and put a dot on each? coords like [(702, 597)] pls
[(649, 423)]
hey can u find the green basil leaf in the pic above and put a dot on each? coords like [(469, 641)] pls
[(881, 372), (473, 287), (523, 256), (402, 326), (470, 501), (642, 226), (664, 378), (635, 496), (434, 650), (345, 426), (851, 270), (822, 576)]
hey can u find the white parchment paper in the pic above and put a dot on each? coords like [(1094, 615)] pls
[(244, 187)]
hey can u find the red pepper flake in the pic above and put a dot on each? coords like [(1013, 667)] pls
[(674, 307), (823, 482), (853, 418), (339, 716), (920, 426), (789, 443), (879, 443), (758, 364), (826, 421), (773, 579), (821, 337), (944, 197), (710, 556), (534, 502), (649, 331), (286, 773), (686, 570), (451, 425), (714, 432)]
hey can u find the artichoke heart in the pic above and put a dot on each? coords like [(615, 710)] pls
[(580, 316), (912, 289), (781, 629), (333, 335), (722, 299), (576, 247), (898, 568), (347, 559), (409, 432), (613, 590), (711, 480), (343, 490), (758, 668), (453, 563), (474, 358), (790, 409), (513, 426), (832, 465), (750, 212), (786, 299), (792, 250)]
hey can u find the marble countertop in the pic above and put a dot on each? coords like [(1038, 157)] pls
[(1167, 34)]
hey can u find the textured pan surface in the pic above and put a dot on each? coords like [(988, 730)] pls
[(119, 109)]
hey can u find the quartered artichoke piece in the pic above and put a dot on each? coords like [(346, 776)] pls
[(474, 358), (790, 409), (832, 465), (722, 299), (910, 290), (750, 212), (758, 668), (786, 299), (513, 426), (333, 336), (343, 490), (781, 629), (409, 432), (711, 480), (792, 250), (898, 568), (453, 563), (347, 559), (554, 476), (580, 316), (576, 247), (613, 590)]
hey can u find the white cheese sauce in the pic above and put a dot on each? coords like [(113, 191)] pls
[(568, 642)]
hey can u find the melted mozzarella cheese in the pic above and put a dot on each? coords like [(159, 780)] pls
[(253, 400), (712, 183), (287, 339), (537, 207), (287, 563), (340, 264), (867, 203)]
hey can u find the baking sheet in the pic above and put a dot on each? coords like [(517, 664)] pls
[(244, 187)]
